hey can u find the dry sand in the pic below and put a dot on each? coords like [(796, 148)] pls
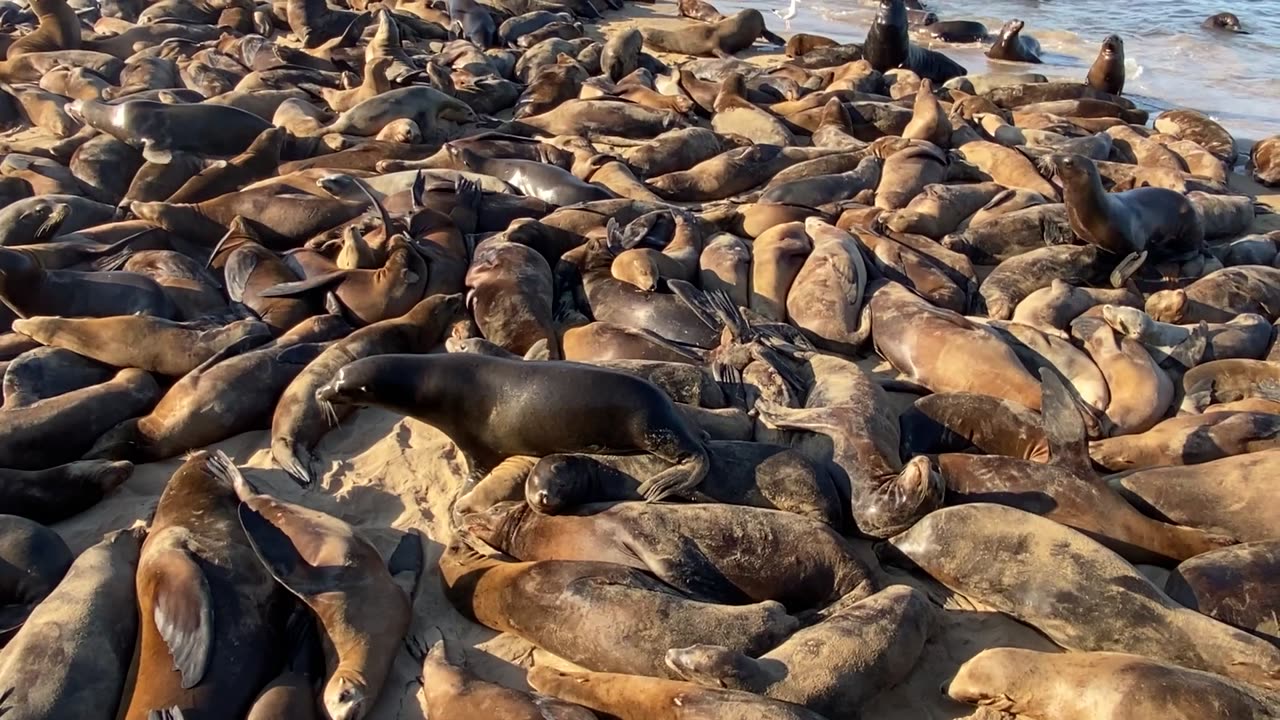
[(382, 472)]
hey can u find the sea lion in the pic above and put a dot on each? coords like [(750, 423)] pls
[(1234, 584), (1100, 685), (361, 611), (629, 697), (1010, 45), (198, 572), (957, 421), (510, 291), (826, 297), (733, 114), (29, 290), (907, 172), (1264, 159), (1245, 337), (888, 46), (940, 209), (614, 602), (49, 496), (71, 657), (823, 189), (300, 421), (148, 343), (450, 690), (956, 31), (704, 550), (1051, 309), (258, 161), (801, 44), (852, 427), (721, 39), (1220, 296), (1064, 488), (1227, 381), (58, 29), (621, 54), (35, 560), (49, 372), (1141, 392), (725, 265), (928, 122), (742, 473), (59, 430), (1082, 590), (1224, 21), (158, 129), (1222, 495), (1107, 72), (779, 254), (490, 431), (832, 667), (1040, 352), (548, 183), (1019, 276), (1200, 129)]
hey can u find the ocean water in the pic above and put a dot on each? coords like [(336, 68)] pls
[(1171, 61)]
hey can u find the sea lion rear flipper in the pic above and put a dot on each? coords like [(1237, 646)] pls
[(298, 287), (697, 301), (466, 208), (183, 612), (1063, 426), (173, 713)]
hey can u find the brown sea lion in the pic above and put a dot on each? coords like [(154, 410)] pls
[(630, 697), (1005, 236), (832, 667), (825, 298), (492, 426), (1099, 685), (510, 291), (779, 254), (1236, 585), (280, 214), (1198, 128), (702, 549), (48, 496), (1010, 45), (1228, 381), (249, 268), (35, 561), (726, 265), (1051, 309), (258, 161), (1081, 593), (1264, 158), (1220, 296), (801, 44), (733, 114), (28, 290), (1141, 392), (58, 29), (71, 658), (362, 613), (907, 172), (1107, 72), (940, 209), (615, 603), (1016, 278), (1246, 337), (722, 39), (208, 606), (957, 421)]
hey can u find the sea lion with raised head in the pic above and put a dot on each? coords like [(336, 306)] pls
[(619, 413), (888, 46), (1224, 21), (1010, 45), (58, 29), (1107, 72), (616, 606)]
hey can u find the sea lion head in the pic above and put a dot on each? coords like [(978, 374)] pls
[(1128, 321), (1013, 27), (1167, 306), (1226, 21), (495, 525), (47, 216), (357, 383), (706, 665), (636, 267), (123, 442), (1068, 168), (555, 483), (987, 677), (1113, 46), (346, 697)]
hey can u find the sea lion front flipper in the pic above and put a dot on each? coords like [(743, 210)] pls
[(406, 563), (183, 612), (677, 481), (277, 549), (298, 287), (697, 301), (772, 37), (236, 273), (683, 565), (153, 154), (1063, 426), (1127, 267), (1191, 351), (540, 350)]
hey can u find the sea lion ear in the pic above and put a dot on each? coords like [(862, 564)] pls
[(183, 612)]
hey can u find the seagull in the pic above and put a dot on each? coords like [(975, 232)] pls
[(790, 13)]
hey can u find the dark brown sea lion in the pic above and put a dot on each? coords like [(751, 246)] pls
[(58, 29), (888, 46), (801, 44), (291, 695), (35, 560), (158, 128), (1264, 158), (721, 39), (300, 421), (59, 430), (362, 613), (49, 496), (833, 667), (705, 550), (630, 697), (491, 426), (49, 372), (258, 161), (1016, 278), (1107, 72), (1228, 381), (1063, 686), (249, 268), (28, 290), (141, 341), (1237, 585), (450, 690), (1081, 592), (71, 658), (1220, 296), (616, 606), (510, 291), (1012, 46), (200, 410), (953, 31), (742, 473), (208, 606)]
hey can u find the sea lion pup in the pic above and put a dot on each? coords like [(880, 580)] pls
[(1220, 296), (58, 29), (721, 39), (60, 429), (300, 421), (199, 410), (906, 328), (1161, 222), (1101, 686), (628, 618), (158, 129), (208, 606), (832, 667), (1264, 159), (71, 657), (361, 611), (851, 425), (621, 414), (1012, 46), (1223, 381), (825, 299), (148, 343), (452, 691), (1080, 592), (1067, 490), (888, 46), (928, 121), (631, 697), (35, 560), (49, 496), (1107, 72), (706, 550), (742, 473), (1236, 585)]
